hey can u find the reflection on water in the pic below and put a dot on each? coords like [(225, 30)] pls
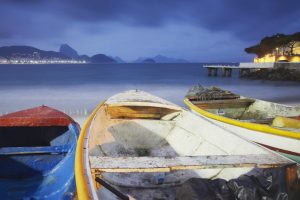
[(77, 89)]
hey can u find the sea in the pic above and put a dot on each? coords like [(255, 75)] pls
[(78, 88)]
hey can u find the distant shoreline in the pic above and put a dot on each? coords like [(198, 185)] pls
[(95, 63)]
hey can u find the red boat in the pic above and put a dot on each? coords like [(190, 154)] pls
[(37, 151)]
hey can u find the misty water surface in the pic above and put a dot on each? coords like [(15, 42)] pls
[(77, 89)]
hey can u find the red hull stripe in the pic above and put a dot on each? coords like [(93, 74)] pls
[(38, 116), (280, 150)]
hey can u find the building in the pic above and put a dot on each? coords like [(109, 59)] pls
[(282, 54), (3, 60)]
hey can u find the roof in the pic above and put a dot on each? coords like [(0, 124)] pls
[(38, 116)]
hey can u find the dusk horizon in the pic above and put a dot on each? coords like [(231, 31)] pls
[(196, 31), (149, 99)]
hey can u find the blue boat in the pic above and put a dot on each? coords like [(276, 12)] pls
[(37, 152)]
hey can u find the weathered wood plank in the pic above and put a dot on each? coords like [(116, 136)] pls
[(135, 116), (137, 112), (259, 121), (232, 103), (166, 164)]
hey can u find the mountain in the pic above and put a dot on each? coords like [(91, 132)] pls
[(101, 58), (11, 52), (139, 60), (149, 60), (65, 49), (164, 59), (68, 51), (84, 57), (118, 59), (161, 59)]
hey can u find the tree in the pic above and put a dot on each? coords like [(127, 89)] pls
[(291, 46), (269, 44)]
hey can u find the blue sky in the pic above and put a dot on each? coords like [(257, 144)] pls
[(204, 31)]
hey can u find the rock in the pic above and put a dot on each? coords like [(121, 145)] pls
[(275, 74), (68, 51), (101, 58)]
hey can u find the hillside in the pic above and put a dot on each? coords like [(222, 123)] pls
[(11, 52), (65, 53), (101, 58), (161, 59), (148, 60)]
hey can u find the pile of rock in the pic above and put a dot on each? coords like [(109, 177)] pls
[(199, 93), (276, 74)]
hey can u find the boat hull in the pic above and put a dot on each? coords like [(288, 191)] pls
[(288, 147), (269, 137), (48, 176), (146, 147), (39, 163)]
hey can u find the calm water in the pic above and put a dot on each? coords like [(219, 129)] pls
[(77, 89)]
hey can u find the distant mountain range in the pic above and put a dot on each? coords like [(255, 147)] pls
[(149, 60), (68, 53), (118, 59), (14, 52), (160, 59), (65, 53), (101, 58)]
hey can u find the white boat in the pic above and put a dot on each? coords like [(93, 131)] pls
[(146, 147), (266, 123)]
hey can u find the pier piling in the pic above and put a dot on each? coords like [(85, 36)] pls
[(209, 71), (243, 68), (229, 72), (243, 72), (215, 71), (223, 72), (226, 72)]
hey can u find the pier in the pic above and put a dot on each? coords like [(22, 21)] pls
[(244, 68)]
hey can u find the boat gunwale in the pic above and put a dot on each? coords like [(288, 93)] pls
[(84, 190), (247, 125), (147, 104)]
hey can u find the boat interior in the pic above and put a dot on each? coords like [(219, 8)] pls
[(33, 136), (146, 132), (34, 162), (248, 110), (26, 152)]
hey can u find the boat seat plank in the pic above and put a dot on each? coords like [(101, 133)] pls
[(227, 103), (142, 112), (33, 150), (166, 164), (259, 121)]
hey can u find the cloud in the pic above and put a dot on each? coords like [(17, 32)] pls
[(246, 21)]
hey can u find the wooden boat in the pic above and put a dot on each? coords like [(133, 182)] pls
[(143, 146), (37, 153), (266, 123)]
